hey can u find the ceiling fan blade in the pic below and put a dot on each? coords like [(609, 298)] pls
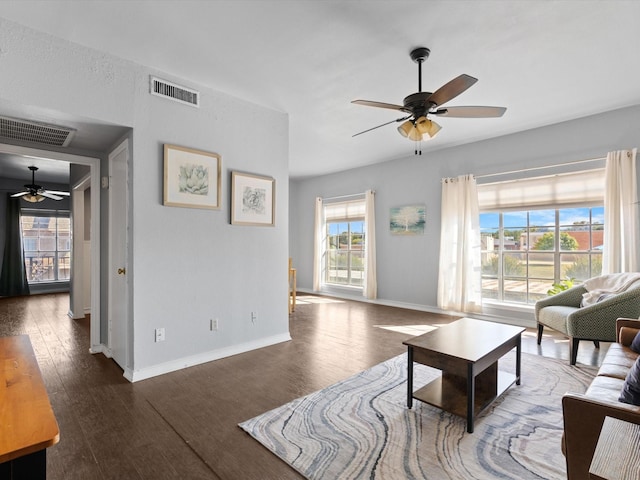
[(470, 112), (452, 89), (49, 195), (388, 123), (390, 106), (56, 192), (16, 195)]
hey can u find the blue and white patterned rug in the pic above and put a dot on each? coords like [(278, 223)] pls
[(361, 428)]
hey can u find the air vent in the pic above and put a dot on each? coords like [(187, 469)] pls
[(33, 132), (169, 90)]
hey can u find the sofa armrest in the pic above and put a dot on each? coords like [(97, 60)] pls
[(583, 418), (627, 323)]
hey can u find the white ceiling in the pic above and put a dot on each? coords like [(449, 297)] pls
[(547, 61)]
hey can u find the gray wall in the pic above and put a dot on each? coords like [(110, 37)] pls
[(185, 265), (408, 266)]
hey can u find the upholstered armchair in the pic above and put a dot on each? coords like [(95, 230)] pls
[(596, 322)]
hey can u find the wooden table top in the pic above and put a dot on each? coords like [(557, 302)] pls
[(468, 338), (27, 422), (617, 455)]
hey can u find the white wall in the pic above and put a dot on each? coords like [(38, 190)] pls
[(186, 265), (408, 266)]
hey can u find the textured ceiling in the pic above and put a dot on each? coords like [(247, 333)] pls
[(546, 61)]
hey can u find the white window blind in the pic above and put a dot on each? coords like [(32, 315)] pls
[(566, 189), (350, 210)]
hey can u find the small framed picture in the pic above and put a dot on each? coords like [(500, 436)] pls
[(191, 178), (407, 220), (252, 199)]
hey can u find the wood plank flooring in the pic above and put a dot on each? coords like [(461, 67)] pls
[(183, 425)]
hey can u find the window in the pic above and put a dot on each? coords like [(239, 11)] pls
[(539, 231), (525, 252), (46, 238), (345, 240)]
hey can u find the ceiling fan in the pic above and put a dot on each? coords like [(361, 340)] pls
[(417, 126), (36, 193)]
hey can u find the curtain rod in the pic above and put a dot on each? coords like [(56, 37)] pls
[(541, 168), (339, 197)]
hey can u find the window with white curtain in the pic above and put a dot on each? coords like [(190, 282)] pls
[(539, 231), (345, 243)]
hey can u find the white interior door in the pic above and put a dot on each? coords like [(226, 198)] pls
[(118, 221)]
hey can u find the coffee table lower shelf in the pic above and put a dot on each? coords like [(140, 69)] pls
[(450, 394)]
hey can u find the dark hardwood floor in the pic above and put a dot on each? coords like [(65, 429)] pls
[(183, 425)]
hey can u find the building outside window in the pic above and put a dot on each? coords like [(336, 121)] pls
[(345, 241), (525, 252), (46, 237)]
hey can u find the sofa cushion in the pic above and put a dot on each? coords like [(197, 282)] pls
[(605, 389), (617, 362), (631, 389)]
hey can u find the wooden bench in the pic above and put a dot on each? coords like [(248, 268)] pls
[(27, 423)]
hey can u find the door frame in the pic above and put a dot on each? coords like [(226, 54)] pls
[(94, 163)]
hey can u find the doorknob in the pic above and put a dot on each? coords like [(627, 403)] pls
[(121, 271)]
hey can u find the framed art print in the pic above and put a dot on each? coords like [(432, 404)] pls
[(407, 220), (252, 199), (191, 178)]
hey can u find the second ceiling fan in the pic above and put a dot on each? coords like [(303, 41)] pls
[(420, 105), (36, 193)]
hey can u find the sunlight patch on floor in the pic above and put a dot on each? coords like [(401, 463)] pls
[(307, 299), (546, 337), (408, 329)]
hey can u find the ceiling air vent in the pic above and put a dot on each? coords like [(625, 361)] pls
[(169, 90), (34, 132)]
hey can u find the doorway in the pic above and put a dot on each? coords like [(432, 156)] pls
[(96, 346)]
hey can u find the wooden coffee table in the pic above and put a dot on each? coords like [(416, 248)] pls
[(467, 351), (27, 423)]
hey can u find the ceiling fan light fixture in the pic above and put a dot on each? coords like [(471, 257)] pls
[(33, 198), (415, 134), (409, 130), (426, 126), (405, 128)]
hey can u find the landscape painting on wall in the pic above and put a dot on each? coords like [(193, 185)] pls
[(408, 220)]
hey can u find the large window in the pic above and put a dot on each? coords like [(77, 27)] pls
[(46, 238), (345, 240), (525, 252)]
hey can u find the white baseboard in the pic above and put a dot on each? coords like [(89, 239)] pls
[(426, 308), (190, 361), (100, 348)]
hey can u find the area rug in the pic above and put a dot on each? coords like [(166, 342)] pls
[(361, 428)]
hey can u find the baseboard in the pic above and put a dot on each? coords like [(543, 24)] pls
[(100, 348), (190, 361), (425, 308)]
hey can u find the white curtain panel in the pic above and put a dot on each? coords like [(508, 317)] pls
[(622, 234), (370, 281), (318, 240), (459, 278)]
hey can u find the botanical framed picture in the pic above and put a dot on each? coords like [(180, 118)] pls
[(408, 220), (252, 199), (191, 178)]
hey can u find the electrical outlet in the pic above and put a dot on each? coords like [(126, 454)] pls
[(213, 325), (159, 334)]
